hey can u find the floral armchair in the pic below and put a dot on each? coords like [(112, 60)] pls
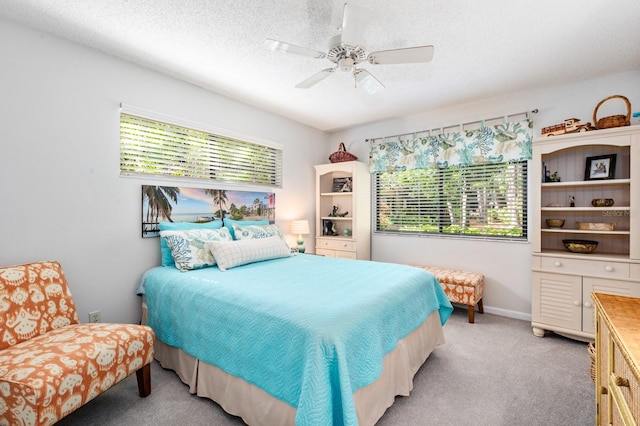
[(50, 365)]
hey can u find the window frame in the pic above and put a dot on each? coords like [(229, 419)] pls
[(523, 177), (275, 153)]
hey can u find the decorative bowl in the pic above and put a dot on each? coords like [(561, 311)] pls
[(580, 246), (596, 226), (602, 202), (555, 223)]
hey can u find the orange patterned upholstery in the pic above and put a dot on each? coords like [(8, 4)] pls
[(50, 365), (461, 287)]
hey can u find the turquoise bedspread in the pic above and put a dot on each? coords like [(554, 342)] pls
[(308, 330)]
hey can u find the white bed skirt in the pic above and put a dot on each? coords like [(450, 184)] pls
[(258, 408)]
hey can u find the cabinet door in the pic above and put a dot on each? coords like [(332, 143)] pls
[(557, 300), (603, 285)]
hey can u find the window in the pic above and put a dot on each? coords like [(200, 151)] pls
[(487, 200), (467, 181), (152, 147)]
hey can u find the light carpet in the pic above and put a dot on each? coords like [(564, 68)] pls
[(494, 372)]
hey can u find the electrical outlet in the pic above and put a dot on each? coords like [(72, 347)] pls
[(94, 316)]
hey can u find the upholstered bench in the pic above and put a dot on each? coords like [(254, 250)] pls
[(50, 365), (460, 286)]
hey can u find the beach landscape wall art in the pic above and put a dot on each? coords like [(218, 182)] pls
[(199, 205)]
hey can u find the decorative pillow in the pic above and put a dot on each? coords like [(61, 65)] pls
[(167, 259), (228, 223), (189, 248), (229, 254), (253, 232)]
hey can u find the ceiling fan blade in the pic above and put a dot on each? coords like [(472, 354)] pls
[(367, 81), (276, 45), (316, 78), (354, 21), (406, 55)]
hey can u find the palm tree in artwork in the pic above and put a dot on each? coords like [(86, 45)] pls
[(256, 206), (219, 198), (158, 198)]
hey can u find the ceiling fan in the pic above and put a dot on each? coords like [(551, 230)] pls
[(347, 51)]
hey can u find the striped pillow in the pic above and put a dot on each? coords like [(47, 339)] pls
[(229, 254)]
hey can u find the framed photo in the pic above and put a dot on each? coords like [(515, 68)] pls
[(600, 167), (344, 184)]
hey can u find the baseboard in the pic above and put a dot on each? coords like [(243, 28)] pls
[(497, 311), (507, 313)]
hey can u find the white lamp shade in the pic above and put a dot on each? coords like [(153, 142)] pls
[(300, 227)]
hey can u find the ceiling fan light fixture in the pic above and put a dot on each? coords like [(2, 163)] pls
[(346, 64), (367, 82)]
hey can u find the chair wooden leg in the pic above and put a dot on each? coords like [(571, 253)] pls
[(144, 380), (471, 313)]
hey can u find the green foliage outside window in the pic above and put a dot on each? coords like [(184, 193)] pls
[(486, 200)]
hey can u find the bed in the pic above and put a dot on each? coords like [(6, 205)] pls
[(299, 339)]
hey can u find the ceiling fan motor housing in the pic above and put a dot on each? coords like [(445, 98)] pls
[(344, 55)]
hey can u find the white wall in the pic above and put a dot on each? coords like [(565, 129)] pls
[(61, 197), (507, 266)]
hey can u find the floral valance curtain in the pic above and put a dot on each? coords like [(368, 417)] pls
[(508, 142)]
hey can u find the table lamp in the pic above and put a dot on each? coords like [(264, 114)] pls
[(300, 227)]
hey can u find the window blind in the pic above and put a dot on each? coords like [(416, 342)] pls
[(486, 200), (152, 147)]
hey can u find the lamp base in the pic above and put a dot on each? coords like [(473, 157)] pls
[(300, 242)]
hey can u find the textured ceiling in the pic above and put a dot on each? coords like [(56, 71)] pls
[(482, 48)]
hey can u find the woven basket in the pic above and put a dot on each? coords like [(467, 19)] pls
[(342, 155), (591, 347), (613, 120)]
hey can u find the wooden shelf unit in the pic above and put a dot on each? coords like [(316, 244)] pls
[(356, 243), (563, 281)]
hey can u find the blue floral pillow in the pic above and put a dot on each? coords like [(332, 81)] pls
[(229, 223), (189, 248), (253, 232), (165, 251)]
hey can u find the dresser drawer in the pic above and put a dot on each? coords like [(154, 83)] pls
[(599, 268), (336, 253), (625, 387), (334, 244), (325, 252), (346, 254)]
